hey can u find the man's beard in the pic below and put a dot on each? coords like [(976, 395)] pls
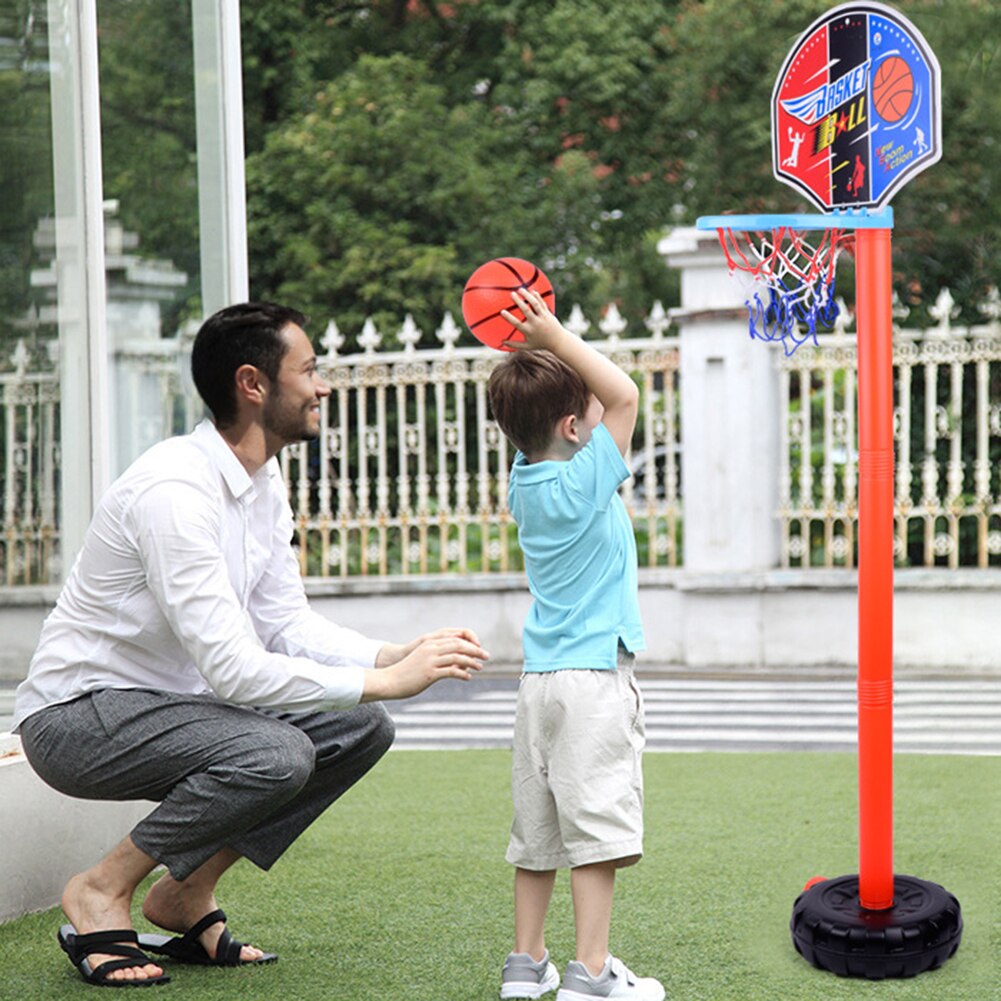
[(288, 424)]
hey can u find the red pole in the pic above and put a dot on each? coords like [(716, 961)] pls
[(873, 289)]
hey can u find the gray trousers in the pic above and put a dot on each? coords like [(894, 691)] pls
[(224, 775)]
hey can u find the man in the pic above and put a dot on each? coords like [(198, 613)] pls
[(182, 664)]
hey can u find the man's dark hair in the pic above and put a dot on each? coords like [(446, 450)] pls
[(529, 392), (245, 334)]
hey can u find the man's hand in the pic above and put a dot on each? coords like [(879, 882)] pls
[(409, 669), (391, 653)]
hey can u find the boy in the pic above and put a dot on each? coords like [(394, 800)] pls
[(576, 783)]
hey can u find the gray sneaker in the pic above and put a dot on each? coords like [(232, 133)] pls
[(616, 980), (523, 977)]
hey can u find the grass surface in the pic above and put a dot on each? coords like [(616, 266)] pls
[(401, 890)]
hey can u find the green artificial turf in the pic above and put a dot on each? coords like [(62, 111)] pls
[(401, 891)]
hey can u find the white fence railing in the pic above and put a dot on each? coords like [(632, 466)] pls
[(410, 475), (947, 430), (29, 424)]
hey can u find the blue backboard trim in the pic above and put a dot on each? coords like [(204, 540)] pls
[(837, 219)]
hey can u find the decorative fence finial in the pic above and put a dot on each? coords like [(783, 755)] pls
[(658, 321), (612, 323), (409, 334), (577, 323), (991, 306), (332, 341), (945, 311), (369, 338), (20, 358), (449, 332)]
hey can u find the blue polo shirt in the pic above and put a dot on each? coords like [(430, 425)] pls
[(580, 555)]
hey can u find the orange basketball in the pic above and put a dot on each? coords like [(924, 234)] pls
[(488, 291), (892, 89)]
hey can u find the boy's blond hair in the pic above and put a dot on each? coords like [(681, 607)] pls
[(529, 392)]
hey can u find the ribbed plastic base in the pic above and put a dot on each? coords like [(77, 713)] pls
[(832, 930)]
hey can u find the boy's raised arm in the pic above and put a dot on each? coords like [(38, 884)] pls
[(614, 389)]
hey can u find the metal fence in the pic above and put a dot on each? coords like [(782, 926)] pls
[(410, 473), (947, 430), (29, 424)]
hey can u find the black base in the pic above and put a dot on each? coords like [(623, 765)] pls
[(832, 930)]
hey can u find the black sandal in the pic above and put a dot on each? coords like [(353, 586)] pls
[(187, 949), (111, 943)]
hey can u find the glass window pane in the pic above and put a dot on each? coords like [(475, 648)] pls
[(29, 432), (151, 213)]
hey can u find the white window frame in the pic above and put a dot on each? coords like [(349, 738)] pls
[(85, 376)]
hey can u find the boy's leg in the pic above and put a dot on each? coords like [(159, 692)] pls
[(598, 786), (535, 842), (527, 971), (596, 973), (532, 893), (592, 887)]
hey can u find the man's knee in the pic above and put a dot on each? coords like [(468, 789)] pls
[(380, 728), (285, 760), (362, 735)]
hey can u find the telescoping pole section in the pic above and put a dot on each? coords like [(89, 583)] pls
[(873, 291)]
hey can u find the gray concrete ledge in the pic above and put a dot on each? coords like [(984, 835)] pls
[(48, 837)]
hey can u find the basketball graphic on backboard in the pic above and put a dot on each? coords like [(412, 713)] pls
[(892, 89)]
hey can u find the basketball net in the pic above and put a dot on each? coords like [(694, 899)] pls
[(799, 277)]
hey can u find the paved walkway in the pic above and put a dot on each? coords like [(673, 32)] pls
[(688, 711)]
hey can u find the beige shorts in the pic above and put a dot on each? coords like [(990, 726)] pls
[(577, 780)]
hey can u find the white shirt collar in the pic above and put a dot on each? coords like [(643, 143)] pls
[(234, 474)]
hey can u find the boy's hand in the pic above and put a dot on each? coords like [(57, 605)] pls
[(614, 389), (539, 328)]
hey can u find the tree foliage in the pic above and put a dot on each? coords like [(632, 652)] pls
[(503, 140), (393, 145), (572, 132), (380, 199), (725, 56)]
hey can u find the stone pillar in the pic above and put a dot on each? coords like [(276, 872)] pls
[(729, 416)]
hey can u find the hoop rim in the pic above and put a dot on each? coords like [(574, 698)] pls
[(838, 219)]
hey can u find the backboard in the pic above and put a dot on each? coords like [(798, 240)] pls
[(856, 108)]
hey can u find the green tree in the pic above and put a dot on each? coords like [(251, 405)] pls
[(666, 106), (948, 220), (382, 199), (589, 77), (511, 65)]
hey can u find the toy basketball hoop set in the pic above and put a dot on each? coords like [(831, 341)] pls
[(856, 113)]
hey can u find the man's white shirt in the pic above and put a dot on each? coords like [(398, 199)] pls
[(187, 582)]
